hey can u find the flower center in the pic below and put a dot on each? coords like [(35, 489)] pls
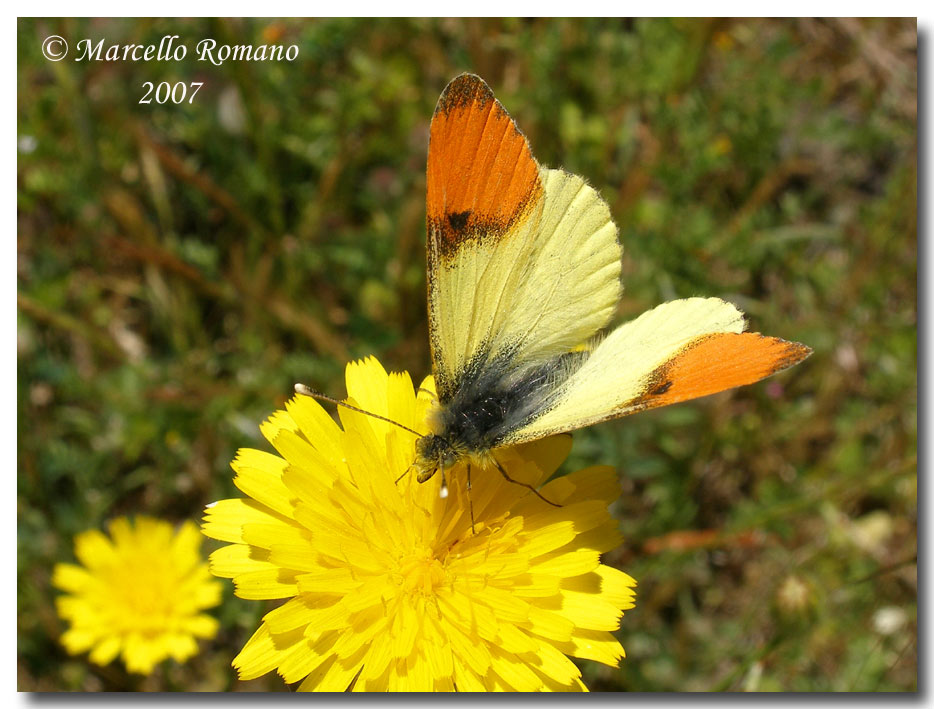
[(141, 596), (421, 573)]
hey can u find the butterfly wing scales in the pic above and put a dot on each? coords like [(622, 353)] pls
[(481, 176), (523, 261), (677, 351)]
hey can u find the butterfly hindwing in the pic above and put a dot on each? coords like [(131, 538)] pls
[(678, 351)]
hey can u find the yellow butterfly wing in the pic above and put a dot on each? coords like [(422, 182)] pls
[(523, 261), (677, 351)]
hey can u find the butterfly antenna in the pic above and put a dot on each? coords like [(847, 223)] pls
[(306, 391), (519, 482), (434, 397)]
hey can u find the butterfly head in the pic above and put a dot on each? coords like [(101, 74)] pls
[(433, 453)]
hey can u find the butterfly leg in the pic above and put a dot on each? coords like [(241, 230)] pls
[(519, 482), (470, 501), (444, 482), (404, 473)]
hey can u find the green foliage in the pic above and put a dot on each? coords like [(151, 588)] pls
[(181, 266)]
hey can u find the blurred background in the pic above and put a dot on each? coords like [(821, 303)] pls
[(180, 267)]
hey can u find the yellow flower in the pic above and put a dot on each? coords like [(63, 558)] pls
[(388, 586), (138, 594)]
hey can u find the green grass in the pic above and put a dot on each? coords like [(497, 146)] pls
[(180, 267)]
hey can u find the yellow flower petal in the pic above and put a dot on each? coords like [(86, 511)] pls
[(266, 584), (292, 615), (316, 425), (549, 624), (596, 645), (298, 452), (259, 475), (617, 586), (275, 424), (336, 678), (224, 520), (93, 549), (589, 612), (70, 577), (272, 532), (231, 561), (299, 662), (262, 653), (571, 563)]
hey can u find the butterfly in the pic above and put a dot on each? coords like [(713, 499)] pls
[(523, 276)]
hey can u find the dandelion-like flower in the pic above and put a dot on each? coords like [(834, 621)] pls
[(138, 594), (392, 586)]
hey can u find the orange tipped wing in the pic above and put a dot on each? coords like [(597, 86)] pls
[(677, 351), (482, 177), (523, 261), (714, 363)]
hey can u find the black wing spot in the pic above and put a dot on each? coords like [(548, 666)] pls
[(661, 388), (458, 220)]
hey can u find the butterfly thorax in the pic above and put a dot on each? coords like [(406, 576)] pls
[(489, 404), (466, 427)]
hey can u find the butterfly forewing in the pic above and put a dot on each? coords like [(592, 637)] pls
[(523, 262)]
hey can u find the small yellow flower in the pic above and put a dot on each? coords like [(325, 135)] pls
[(388, 585), (138, 594)]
